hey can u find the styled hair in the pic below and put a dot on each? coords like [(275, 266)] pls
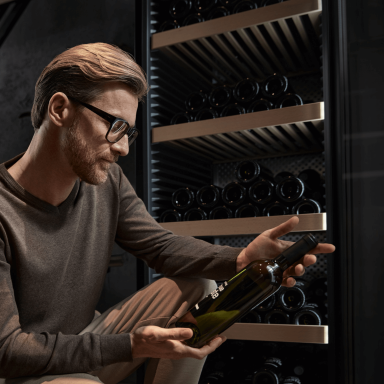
[(81, 71)]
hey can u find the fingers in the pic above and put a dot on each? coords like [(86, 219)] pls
[(324, 248), (288, 282), (200, 353), (284, 228), (157, 334)]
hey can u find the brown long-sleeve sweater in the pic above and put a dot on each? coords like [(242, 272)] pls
[(53, 262)]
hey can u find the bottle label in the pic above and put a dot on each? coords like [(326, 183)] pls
[(215, 294)]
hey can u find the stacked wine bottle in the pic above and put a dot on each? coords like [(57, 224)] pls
[(246, 97), (250, 362), (181, 13), (303, 304), (257, 192)]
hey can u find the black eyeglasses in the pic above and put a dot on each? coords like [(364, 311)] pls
[(118, 127)]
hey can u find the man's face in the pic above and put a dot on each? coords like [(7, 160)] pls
[(88, 152)]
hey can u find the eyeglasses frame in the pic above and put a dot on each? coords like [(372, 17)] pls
[(111, 119)]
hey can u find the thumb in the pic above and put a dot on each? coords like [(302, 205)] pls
[(175, 334)]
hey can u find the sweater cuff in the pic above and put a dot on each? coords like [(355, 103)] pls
[(115, 348), (228, 257)]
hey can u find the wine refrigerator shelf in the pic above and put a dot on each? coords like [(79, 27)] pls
[(279, 38), (246, 226), (288, 333), (278, 132)]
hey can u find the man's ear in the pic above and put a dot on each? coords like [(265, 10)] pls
[(60, 110)]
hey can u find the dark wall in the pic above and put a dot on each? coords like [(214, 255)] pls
[(45, 29)]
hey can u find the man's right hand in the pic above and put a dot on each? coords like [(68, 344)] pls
[(166, 343)]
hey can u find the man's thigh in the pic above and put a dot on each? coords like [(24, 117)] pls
[(73, 378)]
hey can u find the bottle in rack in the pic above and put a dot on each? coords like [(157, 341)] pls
[(247, 210), (205, 6), (196, 101), (306, 206), (246, 91), (270, 372), (170, 216), (289, 100), (314, 183), (208, 197), (179, 9), (276, 209), (293, 298), (183, 198), (244, 5), (220, 96), (248, 289), (248, 172), (193, 18), (221, 212), (181, 118), (290, 190), (195, 214), (218, 12), (275, 86), (260, 105), (262, 192), (206, 114), (277, 316), (281, 175), (292, 380), (308, 315), (234, 194), (232, 110), (251, 317), (267, 305), (169, 25)]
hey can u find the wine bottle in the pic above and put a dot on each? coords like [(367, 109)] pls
[(292, 380), (314, 185), (220, 96), (195, 214), (244, 5), (179, 9), (276, 209), (270, 372), (170, 216), (262, 192), (196, 101), (306, 206), (289, 100), (183, 198), (248, 172), (248, 289), (208, 196), (309, 314), (233, 194), (275, 86), (246, 91), (232, 110), (281, 175), (251, 317), (228, 3), (169, 25), (204, 6), (206, 114), (277, 316), (193, 18), (265, 3), (181, 118), (218, 12), (221, 212), (290, 190), (260, 105), (247, 210), (291, 299), (267, 305)]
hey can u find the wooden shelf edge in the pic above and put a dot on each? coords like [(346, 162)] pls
[(233, 22), (255, 120), (287, 333), (247, 226)]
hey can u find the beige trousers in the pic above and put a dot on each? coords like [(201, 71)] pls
[(160, 303)]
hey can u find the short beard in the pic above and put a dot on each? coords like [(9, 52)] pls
[(88, 168)]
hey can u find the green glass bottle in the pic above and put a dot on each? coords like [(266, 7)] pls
[(245, 291)]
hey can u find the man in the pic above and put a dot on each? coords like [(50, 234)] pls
[(63, 204)]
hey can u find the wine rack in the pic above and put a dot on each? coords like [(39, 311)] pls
[(282, 38), (252, 43), (285, 131), (247, 226)]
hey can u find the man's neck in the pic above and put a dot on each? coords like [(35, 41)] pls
[(43, 172)]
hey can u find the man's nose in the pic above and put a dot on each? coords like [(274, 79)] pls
[(122, 146)]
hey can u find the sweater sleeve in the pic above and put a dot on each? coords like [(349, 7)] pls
[(167, 253), (33, 354)]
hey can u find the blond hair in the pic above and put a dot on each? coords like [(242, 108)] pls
[(80, 71)]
